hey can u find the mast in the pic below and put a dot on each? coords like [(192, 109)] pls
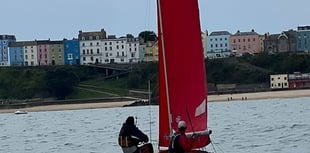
[(164, 64)]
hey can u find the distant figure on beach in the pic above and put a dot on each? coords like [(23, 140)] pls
[(130, 137), (179, 143)]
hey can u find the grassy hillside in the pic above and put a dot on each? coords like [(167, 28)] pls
[(88, 82)]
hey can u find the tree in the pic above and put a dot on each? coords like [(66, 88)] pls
[(147, 36), (61, 82)]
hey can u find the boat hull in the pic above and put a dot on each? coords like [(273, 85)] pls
[(193, 151)]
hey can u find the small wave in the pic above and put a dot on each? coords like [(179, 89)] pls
[(299, 126)]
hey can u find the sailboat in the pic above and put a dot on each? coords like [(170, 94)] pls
[(182, 75)]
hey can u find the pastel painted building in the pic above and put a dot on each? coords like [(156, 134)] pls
[(204, 37), (30, 53), (218, 44), (142, 50), (90, 47), (56, 52), (121, 50), (43, 49), (5, 40), (245, 42), (16, 54), (303, 38), (72, 52), (151, 52), (261, 42)]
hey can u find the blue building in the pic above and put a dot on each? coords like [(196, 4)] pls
[(72, 52), (16, 53), (218, 44), (5, 40), (303, 38)]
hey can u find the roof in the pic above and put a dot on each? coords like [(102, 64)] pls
[(6, 37), (219, 33), (245, 33), (22, 43)]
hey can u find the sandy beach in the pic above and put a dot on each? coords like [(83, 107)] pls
[(211, 98)]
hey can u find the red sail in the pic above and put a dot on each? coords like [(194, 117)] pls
[(182, 77)]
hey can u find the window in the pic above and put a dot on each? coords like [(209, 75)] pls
[(91, 44), (70, 57), (110, 48), (105, 48), (83, 51), (83, 44), (91, 51), (98, 51), (253, 39), (234, 40), (97, 43)]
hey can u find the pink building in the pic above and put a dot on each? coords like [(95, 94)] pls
[(245, 42), (43, 52)]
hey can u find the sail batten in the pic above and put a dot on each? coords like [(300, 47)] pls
[(182, 77)]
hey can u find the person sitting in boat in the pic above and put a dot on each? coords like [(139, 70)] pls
[(130, 136), (179, 143)]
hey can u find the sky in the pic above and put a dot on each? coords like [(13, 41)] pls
[(58, 19)]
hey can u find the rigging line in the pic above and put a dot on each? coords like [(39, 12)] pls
[(150, 110), (190, 121), (218, 146), (147, 14)]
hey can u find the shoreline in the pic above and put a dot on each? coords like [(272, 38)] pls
[(260, 95), (211, 98)]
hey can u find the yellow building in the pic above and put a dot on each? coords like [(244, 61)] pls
[(151, 52)]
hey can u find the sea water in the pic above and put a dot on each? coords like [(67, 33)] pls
[(252, 126)]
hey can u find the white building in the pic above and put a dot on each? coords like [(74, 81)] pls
[(120, 50), (90, 47), (279, 81), (30, 54)]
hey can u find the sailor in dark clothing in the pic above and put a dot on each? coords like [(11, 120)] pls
[(130, 136)]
